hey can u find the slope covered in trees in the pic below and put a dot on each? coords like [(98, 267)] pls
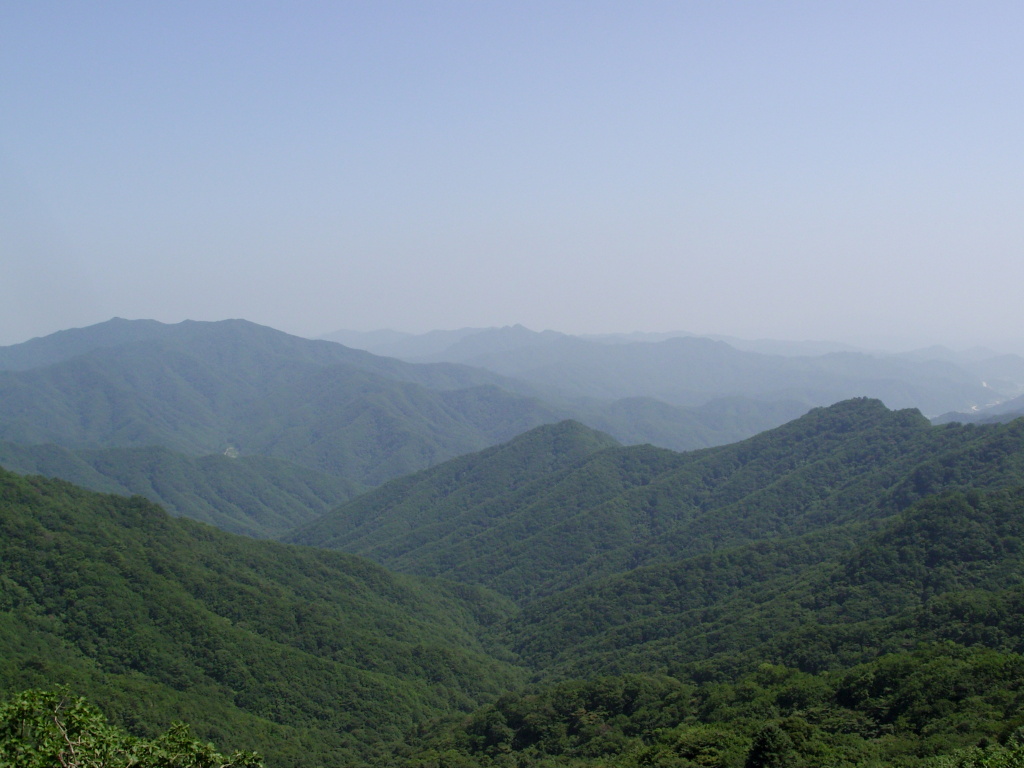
[(622, 508), (895, 644), (922, 614), (816, 602), (203, 388), (937, 706), (444, 500), (253, 495), (206, 388), (307, 656), (845, 589)]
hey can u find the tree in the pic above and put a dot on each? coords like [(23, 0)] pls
[(51, 729), (772, 748)]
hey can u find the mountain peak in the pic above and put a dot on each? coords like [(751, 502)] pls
[(62, 345), (566, 436)]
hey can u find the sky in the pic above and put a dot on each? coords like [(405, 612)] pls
[(787, 170)]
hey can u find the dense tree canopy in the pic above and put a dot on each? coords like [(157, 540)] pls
[(43, 729), (847, 590)]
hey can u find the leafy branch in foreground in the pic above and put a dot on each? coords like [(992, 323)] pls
[(45, 729)]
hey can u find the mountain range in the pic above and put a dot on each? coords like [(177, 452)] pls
[(559, 505), (688, 370), (468, 572)]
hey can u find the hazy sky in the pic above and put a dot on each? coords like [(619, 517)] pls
[(798, 170)]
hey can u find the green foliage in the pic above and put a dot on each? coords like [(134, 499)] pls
[(454, 498), (845, 590), (948, 568), (617, 509), (285, 649), (42, 729), (991, 755), (772, 748), (252, 495), (900, 709)]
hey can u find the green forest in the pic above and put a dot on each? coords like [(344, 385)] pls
[(844, 589)]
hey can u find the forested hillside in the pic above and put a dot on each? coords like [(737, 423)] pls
[(307, 656), (885, 633), (845, 589), (254, 495), (621, 508), (896, 643), (814, 602), (234, 387), (204, 388)]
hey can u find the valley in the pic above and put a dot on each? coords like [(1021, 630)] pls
[(526, 549)]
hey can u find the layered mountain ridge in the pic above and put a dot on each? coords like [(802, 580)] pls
[(842, 589), (612, 509), (684, 369)]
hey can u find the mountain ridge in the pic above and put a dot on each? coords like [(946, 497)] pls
[(252, 495), (853, 579), (290, 649), (622, 507)]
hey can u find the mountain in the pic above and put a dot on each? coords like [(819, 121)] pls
[(763, 346), (692, 371), (883, 638), (807, 602), (405, 346), (441, 344), (368, 340), (204, 388), (209, 388), (996, 414), (621, 508), (73, 342), (252, 495), (429, 508), (843, 590), (368, 429), (687, 370), (637, 420), (309, 656)]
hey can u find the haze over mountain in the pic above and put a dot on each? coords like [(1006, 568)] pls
[(688, 370), (232, 386), (412, 346), (721, 549), (90, 405), (201, 388)]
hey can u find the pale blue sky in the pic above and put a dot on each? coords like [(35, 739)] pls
[(788, 169)]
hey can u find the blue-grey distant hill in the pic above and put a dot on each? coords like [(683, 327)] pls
[(233, 386), (685, 370), (154, 409), (997, 414)]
